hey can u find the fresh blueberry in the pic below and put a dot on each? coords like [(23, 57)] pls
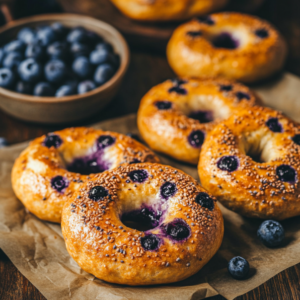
[(163, 105), (138, 176), (167, 190), (35, 51), (98, 57), (85, 86), (296, 139), (23, 88), (79, 49), (12, 60), (65, 90), (45, 36), (104, 45), (286, 173), (14, 46), (196, 138), (59, 183), (150, 242), (52, 140), (2, 54), (55, 71), (242, 95), (228, 163), (7, 78), (238, 267), (59, 29), (26, 35), (93, 38), (77, 35), (98, 193), (82, 67), (3, 142), (274, 125), (262, 33), (58, 50), (30, 70), (205, 201), (271, 233), (105, 141), (177, 229), (206, 20), (103, 73), (43, 89)]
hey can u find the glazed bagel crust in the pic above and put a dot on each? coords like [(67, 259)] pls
[(167, 10), (35, 171), (269, 189), (103, 246), (258, 50), (168, 130)]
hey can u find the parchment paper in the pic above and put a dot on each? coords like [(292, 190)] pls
[(37, 248)]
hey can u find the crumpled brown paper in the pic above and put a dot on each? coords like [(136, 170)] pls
[(37, 248)]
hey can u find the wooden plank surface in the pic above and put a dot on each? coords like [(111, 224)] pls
[(146, 70)]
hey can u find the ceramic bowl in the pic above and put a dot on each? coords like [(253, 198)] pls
[(52, 110)]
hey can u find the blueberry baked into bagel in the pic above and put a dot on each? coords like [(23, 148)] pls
[(251, 164), (142, 224), (54, 166)]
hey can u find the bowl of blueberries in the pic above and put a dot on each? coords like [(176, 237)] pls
[(59, 68)]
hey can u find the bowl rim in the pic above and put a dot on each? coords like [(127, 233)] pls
[(62, 17)]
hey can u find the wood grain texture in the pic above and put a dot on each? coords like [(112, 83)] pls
[(145, 71)]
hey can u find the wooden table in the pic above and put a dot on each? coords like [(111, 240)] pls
[(146, 70)]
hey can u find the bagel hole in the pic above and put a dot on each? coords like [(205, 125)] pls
[(142, 219), (203, 116), (225, 40)]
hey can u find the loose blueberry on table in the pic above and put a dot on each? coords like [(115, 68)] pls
[(271, 233), (238, 267), (55, 60)]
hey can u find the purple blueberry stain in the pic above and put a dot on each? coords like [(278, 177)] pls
[(286, 173), (163, 105), (242, 95), (228, 163), (177, 230), (98, 193), (196, 138), (203, 116), (225, 40), (226, 87), (138, 176), (204, 200), (194, 34), (59, 183), (52, 140), (150, 242), (105, 141), (206, 20), (262, 33), (167, 190), (274, 125), (296, 139)]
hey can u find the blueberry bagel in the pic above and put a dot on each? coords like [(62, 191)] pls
[(54, 166), (230, 45), (175, 116), (167, 10), (251, 163), (142, 224)]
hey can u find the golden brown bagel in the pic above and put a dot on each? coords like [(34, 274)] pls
[(182, 226), (167, 10), (175, 116), (230, 45), (48, 172), (251, 163)]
